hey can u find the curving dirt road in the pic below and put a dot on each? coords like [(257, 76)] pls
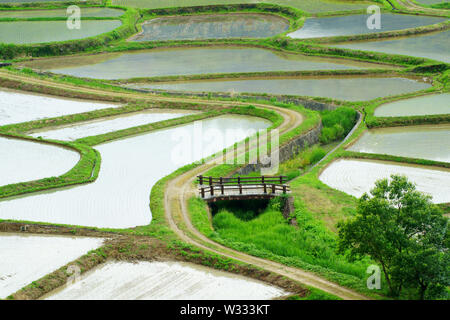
[(180, 189)]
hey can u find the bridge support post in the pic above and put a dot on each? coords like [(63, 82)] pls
[(284, 189), (265, 188), (222, 189), (240, 189), (273, 189), (203, 192), (200, 179), (210, 181), (212, 190)]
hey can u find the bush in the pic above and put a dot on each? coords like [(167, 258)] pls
[(337, 123)]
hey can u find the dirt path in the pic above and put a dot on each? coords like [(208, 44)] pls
[(180, 189), (411, 6)]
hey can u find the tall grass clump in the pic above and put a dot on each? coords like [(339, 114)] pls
[(337, 123), (270, 235)]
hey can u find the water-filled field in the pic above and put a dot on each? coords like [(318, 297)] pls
[(164, 281), (119, 198), (336, 88), (26, 258), (52, 13), (430, 142), (425, 105), (186, 61), (23, 161), (305, 5), (18, 106), (357, 24), (434, 46), (356, 177), (96, 127), (27, 32), (212, 27)]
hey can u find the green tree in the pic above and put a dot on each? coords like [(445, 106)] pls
[(402, 230)]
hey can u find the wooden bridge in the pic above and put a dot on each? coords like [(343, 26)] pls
[(214, 189)]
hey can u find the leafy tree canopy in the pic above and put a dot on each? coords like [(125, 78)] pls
[(402, 230)]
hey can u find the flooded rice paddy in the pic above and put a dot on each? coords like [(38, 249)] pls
[(27, 32), (212, 27), (434, 46), (418, 106), (356, 177), (188, 61), (23, 161), (335, 88), (305, 5), (18, 106), (96, 127), (357, 24), (53, 13), (119, 198), (163, 281), (430, 142), (26, 258)]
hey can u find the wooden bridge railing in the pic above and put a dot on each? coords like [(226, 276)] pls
[(241, 180), (223, 190)]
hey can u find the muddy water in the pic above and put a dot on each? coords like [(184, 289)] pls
[(434, 46), (357, 24), (305, 5), (22, 161), (213, 27), (93, 128), (163, 281), (425, 105), (422, 142), (26, 258), (119, 198), (358, 176), (85, 12), (186, 61), (351, 89), (18, 106), (27, 32)]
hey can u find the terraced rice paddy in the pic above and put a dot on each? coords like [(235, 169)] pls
[(54, 13), (212, 27), (97, 127), (26, 258), (425, 105), (188, 61), (356, 177), (18, 106), (27, 32), (421, 142), (335, 88), (306, 5), (119, 198), (244, 52), (357, 24), (26, 161), (163, 281), (432, 46)]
